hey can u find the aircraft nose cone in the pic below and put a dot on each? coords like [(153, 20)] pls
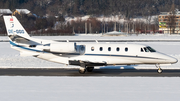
[(173, 60)]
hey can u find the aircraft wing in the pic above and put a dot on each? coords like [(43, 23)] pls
[(87, 63)]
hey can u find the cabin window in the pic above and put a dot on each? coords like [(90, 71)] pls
[(117, 49), (126, 49), (142, 50), (32, 46), (109, 48), (92, 48), (101, 49)]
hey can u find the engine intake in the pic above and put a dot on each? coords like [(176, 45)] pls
[(61, 47)]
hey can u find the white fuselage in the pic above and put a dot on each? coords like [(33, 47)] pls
[(102, 54)]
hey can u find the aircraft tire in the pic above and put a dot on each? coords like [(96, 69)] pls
[(159, 71), (82, 71), (90, 69)]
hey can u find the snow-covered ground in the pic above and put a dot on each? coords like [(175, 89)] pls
[(117, 18), (18, 88), (89, 88)]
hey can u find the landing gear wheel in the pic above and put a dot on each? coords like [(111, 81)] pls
[(90, 69), (82, 70), (159, 70)]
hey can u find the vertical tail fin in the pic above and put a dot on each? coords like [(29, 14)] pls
[(14, 28)]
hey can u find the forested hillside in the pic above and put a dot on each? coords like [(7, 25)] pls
[(129, 8), (73, 8)]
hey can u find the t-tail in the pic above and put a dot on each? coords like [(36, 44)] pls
[(19, 38), (14, 28), (16, 33)]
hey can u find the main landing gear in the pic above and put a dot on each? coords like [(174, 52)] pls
[(82, 70), (87, 68), (159, 68)]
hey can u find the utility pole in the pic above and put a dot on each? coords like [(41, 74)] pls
[(85, 27), (133, 28), (104, 27), (90, 28), (127, 28), (115, 26)]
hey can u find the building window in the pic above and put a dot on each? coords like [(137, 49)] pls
[(126, 49), (101, 49), (109, 48), (92, 48), (117, 49)]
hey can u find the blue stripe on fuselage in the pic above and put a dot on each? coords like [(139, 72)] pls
[(24, 47)]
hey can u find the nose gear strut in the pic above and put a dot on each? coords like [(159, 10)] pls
[(159, 68)]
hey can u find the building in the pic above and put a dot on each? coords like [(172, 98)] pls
[(164, 22), (22, 11), (5, 12)]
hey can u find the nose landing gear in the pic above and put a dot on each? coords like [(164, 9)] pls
[(159, 68)]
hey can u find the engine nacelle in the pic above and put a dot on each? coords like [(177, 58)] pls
[(61, 47)]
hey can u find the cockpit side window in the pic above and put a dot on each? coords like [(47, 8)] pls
[(145, 49), (151, 49), (142, 50)]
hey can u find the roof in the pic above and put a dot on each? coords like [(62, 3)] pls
[(5, 11), (168, 13), (25, 11)]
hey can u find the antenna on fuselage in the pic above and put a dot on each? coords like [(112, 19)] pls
[(96, 41)]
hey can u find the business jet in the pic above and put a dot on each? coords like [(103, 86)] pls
[(85, 55)]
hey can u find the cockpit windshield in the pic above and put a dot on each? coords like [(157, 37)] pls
[(150, 49)]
